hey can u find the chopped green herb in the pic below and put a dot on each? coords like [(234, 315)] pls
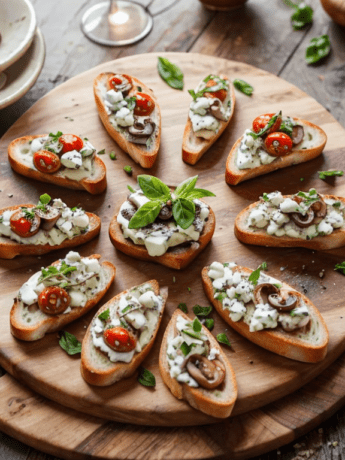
[(131, 189), (128, 170), (198, 310), (277, 285), (255, 275), (302, 16), (174, 279), (286, 126), (189, 289), (69, 343), (170, 73), (112, 156), (183, 307), (301, 179), (101, 152), (194, 335), (209, 323), (265, 197), (244, 87), (318, 49), (340, 267), (223, 84), (55, 137), (333, 173), (197, 326), (337, 204), (220, 296), (238, 296), (139, 89), (28, 213), (185, 348), (105, 315), (222, 338), (146, 378)]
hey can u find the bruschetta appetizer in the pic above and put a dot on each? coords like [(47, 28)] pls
[(266, 311), (130, 113), (194, 367), (156, 224), (305, 219), (59, 294), (61, 159), (121, 334), (272, 143), (30, 229), (210, 113)]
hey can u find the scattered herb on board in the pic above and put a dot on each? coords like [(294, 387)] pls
[(340, 267), (222, 338), (146, 378), (170, 73), (334, 173), (302, 16), (209, 323), (69, 343), (243, 86), (197, 326), (112, 156), (198, 310), (183, 307), (101, 152), (318, 49), (255, 275), (128, 170)]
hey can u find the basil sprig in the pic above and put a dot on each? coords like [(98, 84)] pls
[(318, 49), (69, 343), (170, 73), (221, 84), (334, 173), (243, 86), (269, 125), (302, 15), (159, 194)]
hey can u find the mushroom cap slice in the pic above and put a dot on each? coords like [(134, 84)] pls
[(303, 221), (208, 374), (284, 301), (270, 289), (48, 217), (297, 134)]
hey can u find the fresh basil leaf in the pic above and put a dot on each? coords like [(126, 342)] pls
[(197, 326), (340, 267), (170, 73), (318, 49), (69, 343), (243, 86), (198, 310), (302, 16), (45, 198), (104, 316), (209, 323), (153, 188), (183, 212), (255, 275), (324, 174), (145, 215), (183, 307), (183, 189), (222, 338), (55, 136), (185, 348), (128, 169), (131, 189), (146, 378), (199, 193)]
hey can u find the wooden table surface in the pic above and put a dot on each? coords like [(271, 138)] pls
[(259, 34)]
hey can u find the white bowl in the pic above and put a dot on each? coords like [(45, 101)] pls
[(17, 29)]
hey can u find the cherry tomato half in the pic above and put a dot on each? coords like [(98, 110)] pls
[(46, 162), (220, 94), (53, 300), (24, 226), (70, 142), (144, 105), (278, 144), (119, 339), (260, 122), (119, 80)]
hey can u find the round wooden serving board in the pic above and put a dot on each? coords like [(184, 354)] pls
[(262, 376)]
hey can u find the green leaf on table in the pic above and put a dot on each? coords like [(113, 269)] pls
[(153, 188), (209, 323), (197, 326), (183, 212), (146, 378), (243, 86), (145, 215), (69, 343), (340, 267), (170, 73), (302, 16), (333, 173), (222, 338), (318, 49), (198, 310)]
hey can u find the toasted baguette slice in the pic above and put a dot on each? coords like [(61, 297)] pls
[(194, 147), (310, 348), (145, 156), (218, 402), (177, 257), (96, 183), (33, 325), (96, 368), (10, 249), (233, 175), (260, 238)]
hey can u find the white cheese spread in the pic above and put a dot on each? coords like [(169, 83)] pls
[(137, 311)]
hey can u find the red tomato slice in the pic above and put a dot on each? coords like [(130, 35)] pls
[(278, 144), (53, 300), (46, 162), (221, 94), (23, 226), (144, 105), (261, 121), (119, 339), (117, 80), (70, 142)]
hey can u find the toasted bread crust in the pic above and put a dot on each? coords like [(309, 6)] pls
[(199, 398), (10, 249), (233, 175), (176, 257), (101, 374), (93, 186), (139, 153), (194, 147), (26, 332), (260, 238), (276, 340)]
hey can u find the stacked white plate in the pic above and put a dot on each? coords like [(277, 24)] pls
[(22, 50)]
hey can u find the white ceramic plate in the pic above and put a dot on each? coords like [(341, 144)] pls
[(22, 75), (17, 29)]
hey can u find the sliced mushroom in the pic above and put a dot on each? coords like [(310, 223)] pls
[(320, 210), (315, 214), (140, 132), (216, 111), (303, 221), (48, 218), (208, 374), (297, 134), (268, 287), (284, 301)]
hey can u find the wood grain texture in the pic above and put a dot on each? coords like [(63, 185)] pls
[(44, 366)]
